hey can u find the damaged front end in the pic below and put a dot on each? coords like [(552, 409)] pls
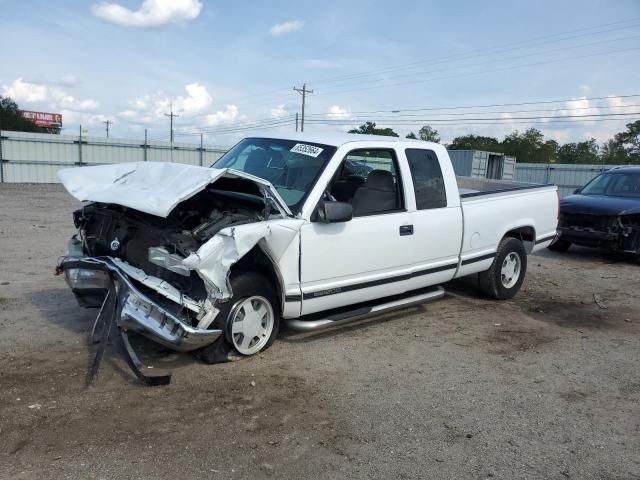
[(159, 263), (613, 232)]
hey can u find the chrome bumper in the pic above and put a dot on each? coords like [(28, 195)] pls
[(135, 312)]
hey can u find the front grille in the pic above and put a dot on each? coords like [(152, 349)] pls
[(581, 220)]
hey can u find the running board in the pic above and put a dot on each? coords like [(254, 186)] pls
[(302, 325)]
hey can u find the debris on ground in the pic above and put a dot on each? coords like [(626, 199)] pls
[(598, 299)]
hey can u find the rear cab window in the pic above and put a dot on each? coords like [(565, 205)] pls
[(428, 182)]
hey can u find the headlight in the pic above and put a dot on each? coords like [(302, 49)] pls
[(80, 278)]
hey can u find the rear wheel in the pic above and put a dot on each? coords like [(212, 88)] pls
[(559, 246), (249, 320), (506, 274)]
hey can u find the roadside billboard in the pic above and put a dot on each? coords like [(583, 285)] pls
[(43, 119)]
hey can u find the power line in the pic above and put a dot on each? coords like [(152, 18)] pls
[(456, 114), (491, 105), (233, 129), (483, 52), (256, 123), (546, 119), (482, 72), (486, 62), (552, 38)]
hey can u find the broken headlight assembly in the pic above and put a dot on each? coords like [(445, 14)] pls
[(161, 257), (82, 279)]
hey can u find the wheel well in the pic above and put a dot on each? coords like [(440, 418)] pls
[(527, 235), (257, 261)]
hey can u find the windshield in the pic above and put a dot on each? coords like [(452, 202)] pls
[(292, 167), (614, 185)]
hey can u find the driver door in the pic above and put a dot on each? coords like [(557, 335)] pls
[(369, 256)]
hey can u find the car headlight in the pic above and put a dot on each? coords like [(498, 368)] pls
[(80, 278)]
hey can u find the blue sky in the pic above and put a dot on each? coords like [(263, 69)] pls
[(226, 64)]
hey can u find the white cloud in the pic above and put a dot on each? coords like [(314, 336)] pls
[(152, 13), (194, 109), (21, 91), (196, 101), (57, 98), (67, 101), (336, 112), (286, 27), (229, 115), (279, 111)]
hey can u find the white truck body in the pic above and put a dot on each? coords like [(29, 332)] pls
[(324, 266)]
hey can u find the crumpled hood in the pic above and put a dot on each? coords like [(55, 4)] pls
[(151, 187), (599, 205)]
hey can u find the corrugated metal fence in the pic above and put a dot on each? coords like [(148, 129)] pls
[(567, 177), (36, 158)]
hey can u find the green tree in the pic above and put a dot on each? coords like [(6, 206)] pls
[(11, 119), (429, 134), (475, 142), (411, 135), (612, 153), (581, 152), (630, 141), (369, 128)]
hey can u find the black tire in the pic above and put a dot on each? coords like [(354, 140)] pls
[(559, 246), (491, 282), (243, 286)]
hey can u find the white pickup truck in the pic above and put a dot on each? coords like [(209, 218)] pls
[(308, 230)]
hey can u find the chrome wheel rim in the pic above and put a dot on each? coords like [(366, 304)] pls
[(510, 271), (251, 324)]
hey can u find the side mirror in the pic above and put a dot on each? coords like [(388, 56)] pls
[(333, 212), (577, 190)]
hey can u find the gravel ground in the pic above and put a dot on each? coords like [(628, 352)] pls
[(544, 386)]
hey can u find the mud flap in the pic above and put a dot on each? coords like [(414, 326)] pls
[(105, 323)]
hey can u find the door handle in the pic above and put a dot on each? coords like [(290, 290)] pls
[(406, 230)]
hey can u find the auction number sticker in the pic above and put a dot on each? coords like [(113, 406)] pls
[(309, 150)]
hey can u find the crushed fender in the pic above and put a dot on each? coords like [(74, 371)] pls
[(214, 259)]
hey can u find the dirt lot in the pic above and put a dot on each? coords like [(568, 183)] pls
[(544, 386)]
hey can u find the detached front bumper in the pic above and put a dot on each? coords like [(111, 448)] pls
[(91, 277)]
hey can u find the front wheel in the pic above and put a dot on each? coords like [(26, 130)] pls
[(506, 274), (250, 320)]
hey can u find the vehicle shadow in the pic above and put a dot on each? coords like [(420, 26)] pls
[(586, 255), (59, 307)]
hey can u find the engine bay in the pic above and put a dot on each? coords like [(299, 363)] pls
[(137, 237)]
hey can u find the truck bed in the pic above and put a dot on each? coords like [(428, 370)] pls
[(475, 187)]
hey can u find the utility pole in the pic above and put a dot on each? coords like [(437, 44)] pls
[(296, 121), (107, 123), (80, 146), (303, 91), (171, 115)]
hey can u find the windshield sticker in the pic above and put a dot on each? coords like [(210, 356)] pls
[(309, 150)]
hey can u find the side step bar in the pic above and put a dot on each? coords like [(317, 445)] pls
[(302, 325)]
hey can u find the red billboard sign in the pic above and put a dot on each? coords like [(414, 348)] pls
[(43, 119)]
